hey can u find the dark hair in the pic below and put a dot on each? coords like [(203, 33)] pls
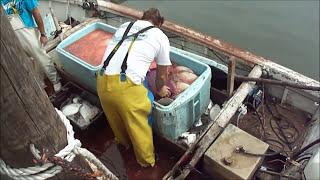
[(154, 16)]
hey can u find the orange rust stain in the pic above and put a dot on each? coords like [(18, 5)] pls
[(91, 47)]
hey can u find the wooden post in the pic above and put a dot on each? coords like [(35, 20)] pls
[(231, 74), (27, 115)]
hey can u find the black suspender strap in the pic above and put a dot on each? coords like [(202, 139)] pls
[(124, 37), (106, 62), (135, 36)]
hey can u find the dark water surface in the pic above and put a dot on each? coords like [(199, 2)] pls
[(286, 32)]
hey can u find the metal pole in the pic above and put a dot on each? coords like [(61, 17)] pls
[(277, 82)]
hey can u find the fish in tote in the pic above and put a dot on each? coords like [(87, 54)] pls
[(180, 78)]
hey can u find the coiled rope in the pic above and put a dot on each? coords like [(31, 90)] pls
[(48, 170)]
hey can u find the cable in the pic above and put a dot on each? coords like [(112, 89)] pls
[(262, 123), (242, 111), (240, 149), (259, 117), (303, 158), (280, 145), (205, 176), (276, 160), (289, 125), (255, 154), (276, 133), (278, 174), (282, 137), (263, 134), (306, 147)]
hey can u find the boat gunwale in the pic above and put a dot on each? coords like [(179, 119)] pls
[(280, 72)]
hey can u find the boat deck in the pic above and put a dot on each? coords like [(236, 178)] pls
[(98, 138)]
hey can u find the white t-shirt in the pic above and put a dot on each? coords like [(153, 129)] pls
[(151, 45)]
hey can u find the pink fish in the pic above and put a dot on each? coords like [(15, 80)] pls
[(183, 69), (180, 78), (180, 87), (186, 77)]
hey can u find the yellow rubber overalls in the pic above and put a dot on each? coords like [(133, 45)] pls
[(128, 107)]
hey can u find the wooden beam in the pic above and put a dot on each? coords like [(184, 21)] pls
[(26, 112), (231, 74), (27, 115)]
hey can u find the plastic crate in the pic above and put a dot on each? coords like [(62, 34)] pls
[(79, 69), (172, 120), (70, 90)]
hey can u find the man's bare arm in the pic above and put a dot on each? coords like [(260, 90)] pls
[(38, 19), (161, 76), (161, 79)]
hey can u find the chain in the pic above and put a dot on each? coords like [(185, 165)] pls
[(68, 166)]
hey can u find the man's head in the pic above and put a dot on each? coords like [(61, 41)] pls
[(153, 15)]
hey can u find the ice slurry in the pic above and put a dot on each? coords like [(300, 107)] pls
[(91, 47)]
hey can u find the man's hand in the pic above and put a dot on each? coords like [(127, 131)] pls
[(43, 40), (164, 91)]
